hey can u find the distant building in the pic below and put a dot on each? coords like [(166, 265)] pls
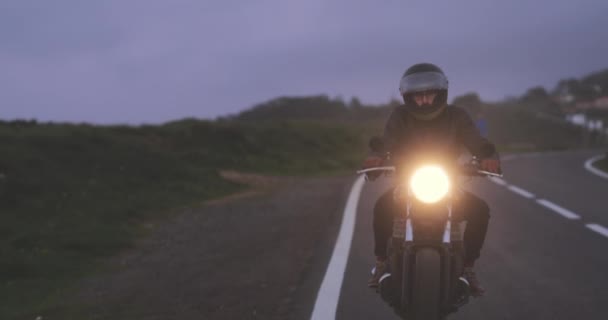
[(584, 105), (601, 103), (564, 98)]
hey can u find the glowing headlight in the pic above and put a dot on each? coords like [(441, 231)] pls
[(430, 184)]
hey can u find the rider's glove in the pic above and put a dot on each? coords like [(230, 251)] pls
[(491, 165), (371, 162)]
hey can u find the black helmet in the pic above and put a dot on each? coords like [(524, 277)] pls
[(424, 77)]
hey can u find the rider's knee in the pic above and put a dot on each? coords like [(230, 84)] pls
[(484, 210), (383, 205)]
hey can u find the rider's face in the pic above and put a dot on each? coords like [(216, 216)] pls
[(425, 98)]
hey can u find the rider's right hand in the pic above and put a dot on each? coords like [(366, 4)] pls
[(371, 162)]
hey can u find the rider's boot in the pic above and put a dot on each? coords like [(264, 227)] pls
[(378, 271), (476, 289)]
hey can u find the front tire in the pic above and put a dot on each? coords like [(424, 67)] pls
[(426, 294)]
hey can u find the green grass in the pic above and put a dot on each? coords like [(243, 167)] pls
[(516, 130), (72, 194)]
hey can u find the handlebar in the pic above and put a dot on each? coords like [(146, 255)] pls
[(387, 168), (489, 174), (468, 170), (473, 170)]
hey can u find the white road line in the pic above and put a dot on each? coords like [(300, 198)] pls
[(521, 192), (589, 166), (498, 181), (598, 228), (329, 293), (563, 212)]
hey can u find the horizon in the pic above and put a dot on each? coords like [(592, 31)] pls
[(344, 99)]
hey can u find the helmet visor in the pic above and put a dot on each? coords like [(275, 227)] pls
[(423, 81)]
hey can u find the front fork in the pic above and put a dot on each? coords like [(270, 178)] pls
[(407, 233), (403, 229)]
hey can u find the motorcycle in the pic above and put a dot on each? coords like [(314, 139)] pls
[(426, 252)]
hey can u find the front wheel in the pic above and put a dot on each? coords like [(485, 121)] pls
[(426, 292)]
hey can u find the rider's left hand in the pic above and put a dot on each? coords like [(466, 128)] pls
[(491, 165)]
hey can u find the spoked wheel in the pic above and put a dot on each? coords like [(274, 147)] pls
[(426, 294)]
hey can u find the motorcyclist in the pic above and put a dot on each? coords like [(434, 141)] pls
[(426, 122)]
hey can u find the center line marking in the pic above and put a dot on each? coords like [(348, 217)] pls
[(521, 192), (598, 228), (563, 212), (329, 293)]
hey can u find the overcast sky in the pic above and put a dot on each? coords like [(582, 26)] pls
[(150, 61)]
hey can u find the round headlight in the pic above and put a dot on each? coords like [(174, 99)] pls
[(430, 184)]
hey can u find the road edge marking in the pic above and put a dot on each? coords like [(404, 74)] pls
[(328, 295), (558, 209), (595, 171), (598, 228)]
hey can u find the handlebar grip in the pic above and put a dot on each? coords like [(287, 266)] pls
[(388, 168)]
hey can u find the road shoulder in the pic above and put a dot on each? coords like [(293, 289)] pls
[(260, 255)]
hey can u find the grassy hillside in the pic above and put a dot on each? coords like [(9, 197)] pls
[(514, 129), (70, 194), (513, 126), (315, 108)]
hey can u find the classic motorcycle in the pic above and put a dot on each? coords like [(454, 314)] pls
[(426, 252)]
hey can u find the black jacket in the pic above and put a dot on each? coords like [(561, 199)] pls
[(446, 135)]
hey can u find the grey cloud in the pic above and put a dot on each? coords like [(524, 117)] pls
[(153, 60), (44, 29)]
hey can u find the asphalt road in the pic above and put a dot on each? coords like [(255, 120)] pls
[(541, 260)]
